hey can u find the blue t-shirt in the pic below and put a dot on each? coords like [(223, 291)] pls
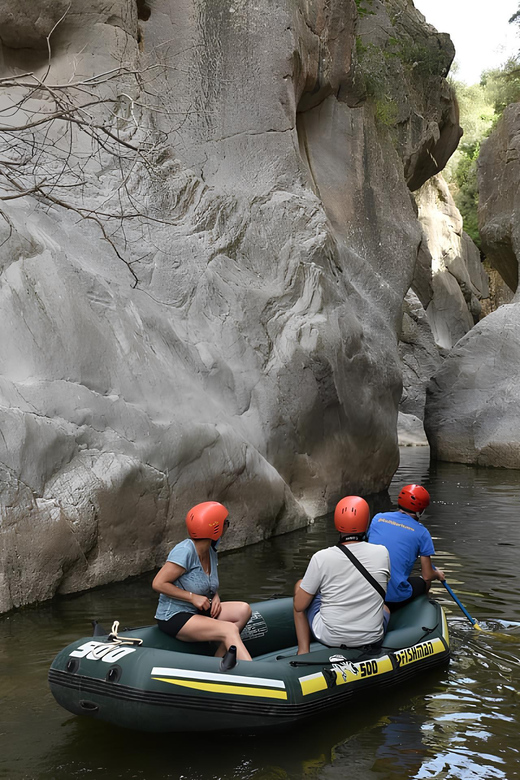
[(405, 539), (194, 579)]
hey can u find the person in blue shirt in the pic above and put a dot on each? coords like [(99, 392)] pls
[(406, 539), (189, 605)]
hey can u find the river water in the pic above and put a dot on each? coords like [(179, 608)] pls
[(460, 722)]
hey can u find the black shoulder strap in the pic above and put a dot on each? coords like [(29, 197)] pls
[(359, 566)]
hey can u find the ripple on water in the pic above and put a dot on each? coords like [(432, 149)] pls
[(459, 723)]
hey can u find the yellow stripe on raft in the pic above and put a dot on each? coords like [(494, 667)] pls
[(411, 655), (313, 685), (445, 632), (346, 673), (238, 690)]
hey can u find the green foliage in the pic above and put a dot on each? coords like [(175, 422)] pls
[(361, 49), (425, 60), (481, 106), (466, 195), (502, 85), (362, 7), (477, 112), (386, 111), (477, 117), (469, 155), (372, 63), (381, 64)]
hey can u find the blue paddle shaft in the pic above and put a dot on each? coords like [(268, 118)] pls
[(459, 604)]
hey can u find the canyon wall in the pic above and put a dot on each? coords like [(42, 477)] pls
[(473, 400), (207, 234), (448, 296)]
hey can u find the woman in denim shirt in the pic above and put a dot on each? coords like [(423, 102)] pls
[(189, 605)]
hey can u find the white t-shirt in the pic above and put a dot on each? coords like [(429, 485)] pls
[(351, 611)]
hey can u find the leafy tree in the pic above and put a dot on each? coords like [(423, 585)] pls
[(477, 117), (502, 85), (466, 196), (481, 105)]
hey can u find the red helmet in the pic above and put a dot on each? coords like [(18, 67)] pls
[(413, 498), (351, 515), (206, 520)]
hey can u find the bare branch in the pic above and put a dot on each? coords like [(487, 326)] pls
[(49, 50), (86, 146)]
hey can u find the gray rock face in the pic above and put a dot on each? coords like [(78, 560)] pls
[(473, 399), (420, 356), (230, 332), (410, 431), (443, 303), (499, 198), (472, 405), (28, 24), (458, 279)]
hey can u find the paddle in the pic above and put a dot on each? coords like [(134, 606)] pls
[(475, 623), (457, 601)]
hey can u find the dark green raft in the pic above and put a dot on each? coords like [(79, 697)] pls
[(142, 679)]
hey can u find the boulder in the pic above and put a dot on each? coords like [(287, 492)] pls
[(410, 431), (473, 400)]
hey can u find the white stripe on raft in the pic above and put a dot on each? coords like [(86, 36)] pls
[(310, 676), (166, 671)]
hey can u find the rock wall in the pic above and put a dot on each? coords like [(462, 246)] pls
[(498, 180), (443, 303), (472, 405), (205, 303)]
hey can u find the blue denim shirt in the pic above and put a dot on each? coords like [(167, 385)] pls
[(194, 579)]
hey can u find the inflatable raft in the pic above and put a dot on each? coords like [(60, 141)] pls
[(143, 679)]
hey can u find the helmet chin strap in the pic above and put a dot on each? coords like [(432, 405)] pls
[(353, 537)]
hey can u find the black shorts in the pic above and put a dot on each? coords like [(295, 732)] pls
[(418, 589), (175, 623)]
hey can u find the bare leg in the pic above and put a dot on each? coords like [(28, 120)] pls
[(303, 631), (237, 612), (206, 629)]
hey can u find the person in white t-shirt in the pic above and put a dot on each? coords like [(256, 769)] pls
[(334, 602)]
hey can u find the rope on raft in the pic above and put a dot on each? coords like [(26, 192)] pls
[(115, 639)]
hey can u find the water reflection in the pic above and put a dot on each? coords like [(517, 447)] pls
[(456, 723), (467, 728)]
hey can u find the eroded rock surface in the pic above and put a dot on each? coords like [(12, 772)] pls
[(232, 333), (410, 431), (473, 401), (499, 196), (458, 279), (444, 301)]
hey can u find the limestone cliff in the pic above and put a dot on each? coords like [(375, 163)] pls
[(444, 301), (471, 411), (203, 269)]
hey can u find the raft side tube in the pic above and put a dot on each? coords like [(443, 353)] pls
[(154, 687)]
